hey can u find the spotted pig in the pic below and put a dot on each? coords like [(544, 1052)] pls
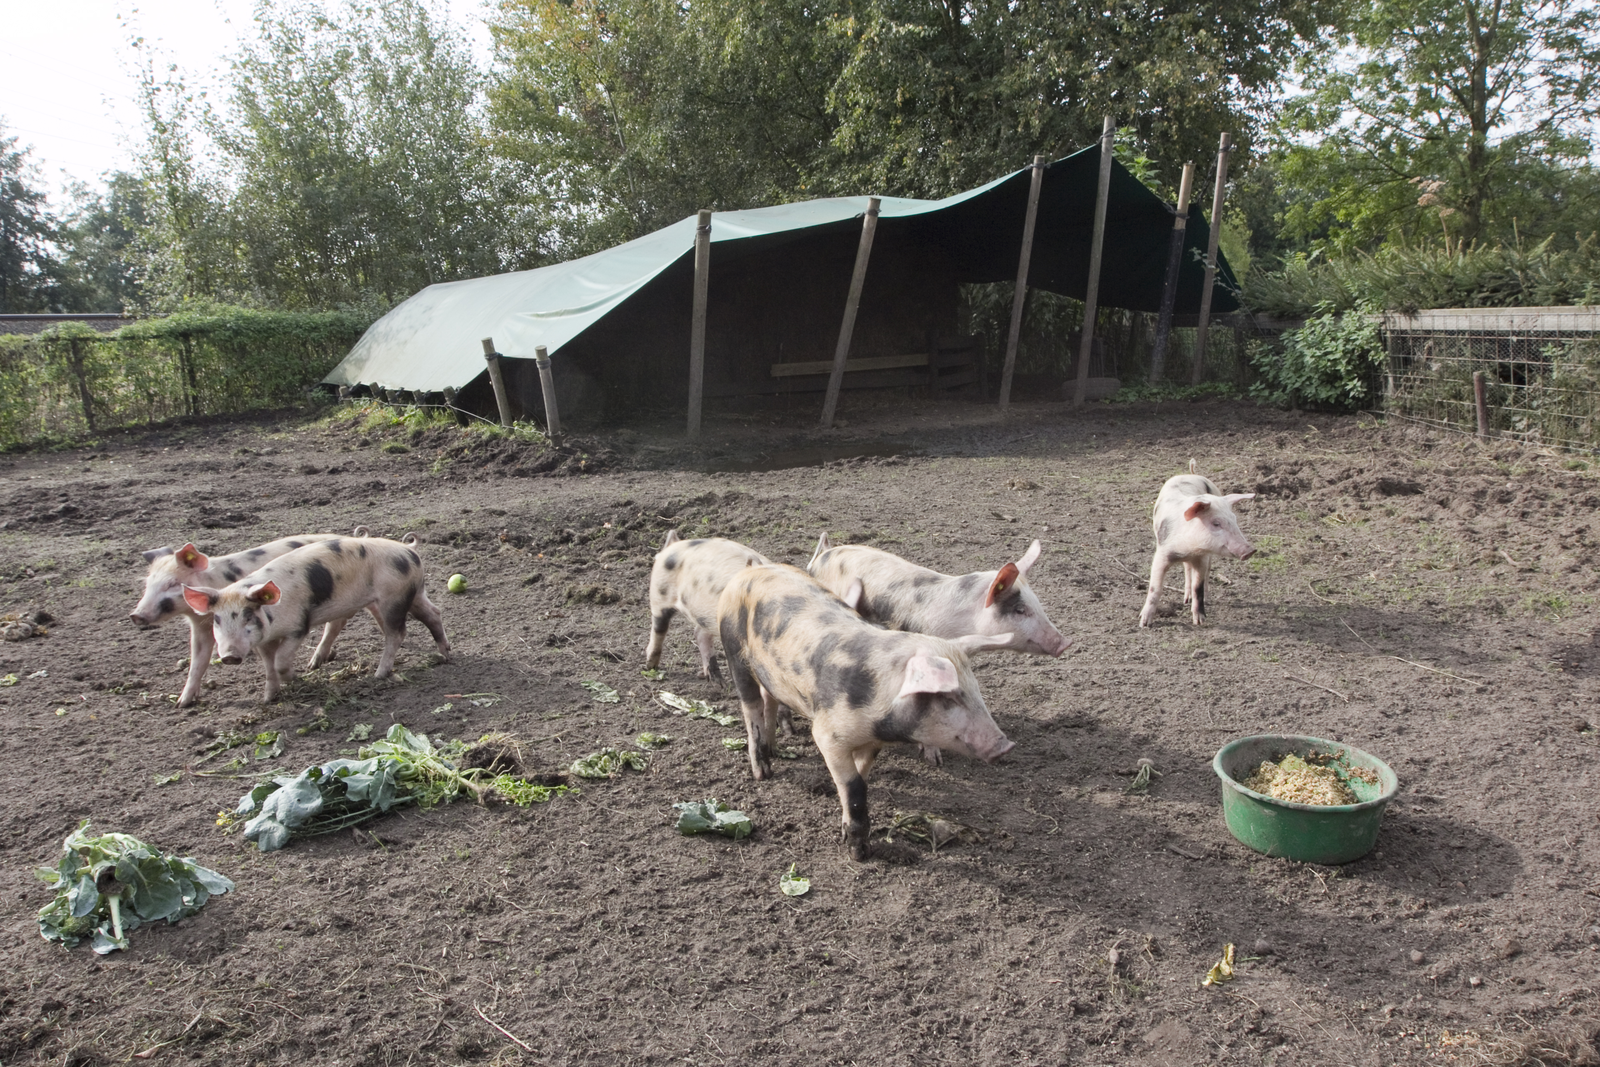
[(903, 596), (171, 570), (271, 611), (790, 641), (689, 576), (1194, 524)]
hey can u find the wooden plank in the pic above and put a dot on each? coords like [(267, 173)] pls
[(852, 302), (1497, 320), (697, 321), (853, 366), (1091, 296)]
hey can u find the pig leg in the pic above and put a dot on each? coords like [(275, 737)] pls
[(753, 699), (855, 824), (866, 757), (393, 624), (660, 619), (427, 613), (284, 660), (1198, 571), (760, 729), (1158, 574), (932, 756), (324, 650), (202, 642), (268, 652), (704, 640)]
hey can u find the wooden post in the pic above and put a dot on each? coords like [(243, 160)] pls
[(75, 362), (1483, 403), (1169, 291), (501, 400), (547, 386), (1023, 259), (697, 327), (869, 226), (1091, 293), (1223, 148)]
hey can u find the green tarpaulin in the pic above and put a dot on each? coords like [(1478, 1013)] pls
[(431, 341)]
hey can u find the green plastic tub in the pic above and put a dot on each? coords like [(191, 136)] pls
[(1311, 833)]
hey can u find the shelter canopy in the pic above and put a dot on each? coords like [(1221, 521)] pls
[(430, 341)]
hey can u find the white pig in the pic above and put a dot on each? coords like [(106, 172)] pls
[(689, 576), (171, 570), (790, 641), (1194, 523), (900, 595), (271, 611)]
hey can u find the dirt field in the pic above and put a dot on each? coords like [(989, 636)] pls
[(1425, 598)]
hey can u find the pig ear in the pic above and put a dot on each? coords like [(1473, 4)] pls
[(155, 554), (929, 674), (823, 545), (1200, 504), (1234, 498), (200, 600), (192, 557), (670, 539), (264, 594), (1029, 558), (1007, 578), (971, 643), (852, 596)]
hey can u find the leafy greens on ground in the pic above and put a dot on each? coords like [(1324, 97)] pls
[(109, 885)]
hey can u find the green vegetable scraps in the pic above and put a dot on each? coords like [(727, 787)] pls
[(108, 886), (699, 816), (608, 763), (695, 709), (9, 679), (403, 768), (602, 693), (1141, 781), (522, 792), (168, 779), (269, 745), (360, 732), (928, 829), (792, 884), (734, 744), (649, 740), (653, 675)]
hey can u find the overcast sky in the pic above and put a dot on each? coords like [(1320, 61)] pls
[(68, 86)]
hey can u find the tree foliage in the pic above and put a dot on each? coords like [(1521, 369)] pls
[(1447, 117), (28, 267)]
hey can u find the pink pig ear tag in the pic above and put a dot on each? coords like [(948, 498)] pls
[(264, 594), (1004, 580), (929, 674)]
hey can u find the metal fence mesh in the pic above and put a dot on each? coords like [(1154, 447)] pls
[(1541, 371)]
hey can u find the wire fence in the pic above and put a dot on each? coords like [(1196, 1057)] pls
[(1540, 368)]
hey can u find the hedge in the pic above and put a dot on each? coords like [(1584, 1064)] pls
[(70, 380)]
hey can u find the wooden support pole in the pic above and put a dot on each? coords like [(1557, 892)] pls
[(496, 379), (697, 327), (547, 387), (1017, 299), (1169, 291), (869, 226), (1483, 403), (1091, 293), (1224, 146)]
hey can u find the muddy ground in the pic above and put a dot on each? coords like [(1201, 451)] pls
[(1425, 597)]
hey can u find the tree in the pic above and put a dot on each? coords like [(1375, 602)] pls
[(628, 115), (1446, 116), (355, 143), (28, 268), (99, 266)]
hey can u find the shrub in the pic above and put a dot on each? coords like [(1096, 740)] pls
[(1332, 363)]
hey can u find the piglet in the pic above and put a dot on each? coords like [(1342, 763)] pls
[(271, 611), (900, 595), (689, 576), (790, 641), (171, 570), (1194, 524)]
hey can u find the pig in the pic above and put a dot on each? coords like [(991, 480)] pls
[(171, 570), (790, 641), (1194, 523), (900, 595), (689, 576), (271, 611)]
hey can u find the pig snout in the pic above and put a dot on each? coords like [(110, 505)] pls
[(994, 748), (141, 621), (232, 659)]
